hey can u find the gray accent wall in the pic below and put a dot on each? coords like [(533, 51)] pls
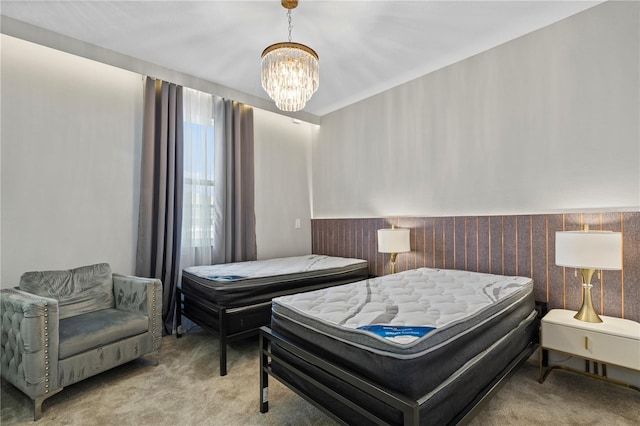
[(548, 122)]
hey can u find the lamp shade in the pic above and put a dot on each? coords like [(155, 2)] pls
[(394, 240), (589, 249)]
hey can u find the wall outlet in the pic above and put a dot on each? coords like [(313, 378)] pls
[(297, 224)]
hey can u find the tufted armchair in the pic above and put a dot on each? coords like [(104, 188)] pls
[(60, 327)]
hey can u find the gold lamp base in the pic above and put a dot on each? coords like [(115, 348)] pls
[(393, 262), (587, 313)]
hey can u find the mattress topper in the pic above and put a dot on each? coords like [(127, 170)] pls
[(237, 272), (412, 310)]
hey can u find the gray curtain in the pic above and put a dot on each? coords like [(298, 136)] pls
[(240, 219), (160, 220)]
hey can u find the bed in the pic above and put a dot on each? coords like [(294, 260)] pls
[(234, 299), (424, 346)]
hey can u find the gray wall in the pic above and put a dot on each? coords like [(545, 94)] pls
[(283, 184), (548, 122), (70, 166), (70, 161)]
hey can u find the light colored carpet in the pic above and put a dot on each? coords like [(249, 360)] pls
[(186, 389)]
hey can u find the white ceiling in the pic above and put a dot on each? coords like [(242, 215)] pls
[(365, 47)]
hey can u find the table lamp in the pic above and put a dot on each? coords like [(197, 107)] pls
[(394, 241), (589, 251)]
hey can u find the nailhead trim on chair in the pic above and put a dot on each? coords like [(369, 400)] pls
[(46, 348), (153, 318), (46, 339)]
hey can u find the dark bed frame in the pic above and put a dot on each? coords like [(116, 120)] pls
[(408, 407), (233, 323), (230, 324)]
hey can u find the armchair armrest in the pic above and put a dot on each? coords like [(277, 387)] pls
[(143, 296), (29, 342)]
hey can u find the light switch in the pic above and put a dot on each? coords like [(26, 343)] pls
[(297, 224)]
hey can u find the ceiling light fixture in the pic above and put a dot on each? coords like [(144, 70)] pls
[(290, 70)]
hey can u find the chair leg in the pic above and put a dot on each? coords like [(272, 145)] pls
[(37, 408), (156, 357), (37, 403)]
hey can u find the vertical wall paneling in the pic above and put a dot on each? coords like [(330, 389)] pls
[(483, 246), (459, 243), (523, 246), (556, 274), (612, 288), (448, 251), (433, 242), (630, 285), (573, 284), (539, 254), (510, 245), (495, 245)]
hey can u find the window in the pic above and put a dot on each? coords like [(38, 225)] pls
[(199, 181), (199, 196)]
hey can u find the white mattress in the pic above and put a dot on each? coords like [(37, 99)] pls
[(292, 267), (418, 310)]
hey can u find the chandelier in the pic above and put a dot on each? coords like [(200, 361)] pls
[(290, 70)]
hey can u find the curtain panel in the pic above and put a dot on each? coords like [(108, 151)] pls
[(177, 230), (160, 217), (240, 232), (218, 208)]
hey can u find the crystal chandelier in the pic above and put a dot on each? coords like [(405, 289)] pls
[(290, 70)]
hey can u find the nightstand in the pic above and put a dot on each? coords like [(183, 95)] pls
[(614, 341)]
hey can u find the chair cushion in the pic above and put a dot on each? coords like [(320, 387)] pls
[(88, 331), (78, 291)]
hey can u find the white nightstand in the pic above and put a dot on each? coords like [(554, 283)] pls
[(614, 341)]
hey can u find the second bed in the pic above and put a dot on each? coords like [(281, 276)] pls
[(234, 299), (417, 347)]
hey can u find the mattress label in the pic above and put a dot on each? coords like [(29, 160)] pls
[(400, 334), (226, 277)]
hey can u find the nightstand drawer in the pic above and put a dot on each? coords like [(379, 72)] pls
[(606, 348), (614, 341)]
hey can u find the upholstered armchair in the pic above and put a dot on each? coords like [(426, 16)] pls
[(60, 327)]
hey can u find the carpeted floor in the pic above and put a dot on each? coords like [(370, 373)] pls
[(185, 389)]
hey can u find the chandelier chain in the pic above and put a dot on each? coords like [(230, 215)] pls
[(290, 25)]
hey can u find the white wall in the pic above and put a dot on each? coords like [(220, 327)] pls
[(548, 122), (283, 184), (70, 140)]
